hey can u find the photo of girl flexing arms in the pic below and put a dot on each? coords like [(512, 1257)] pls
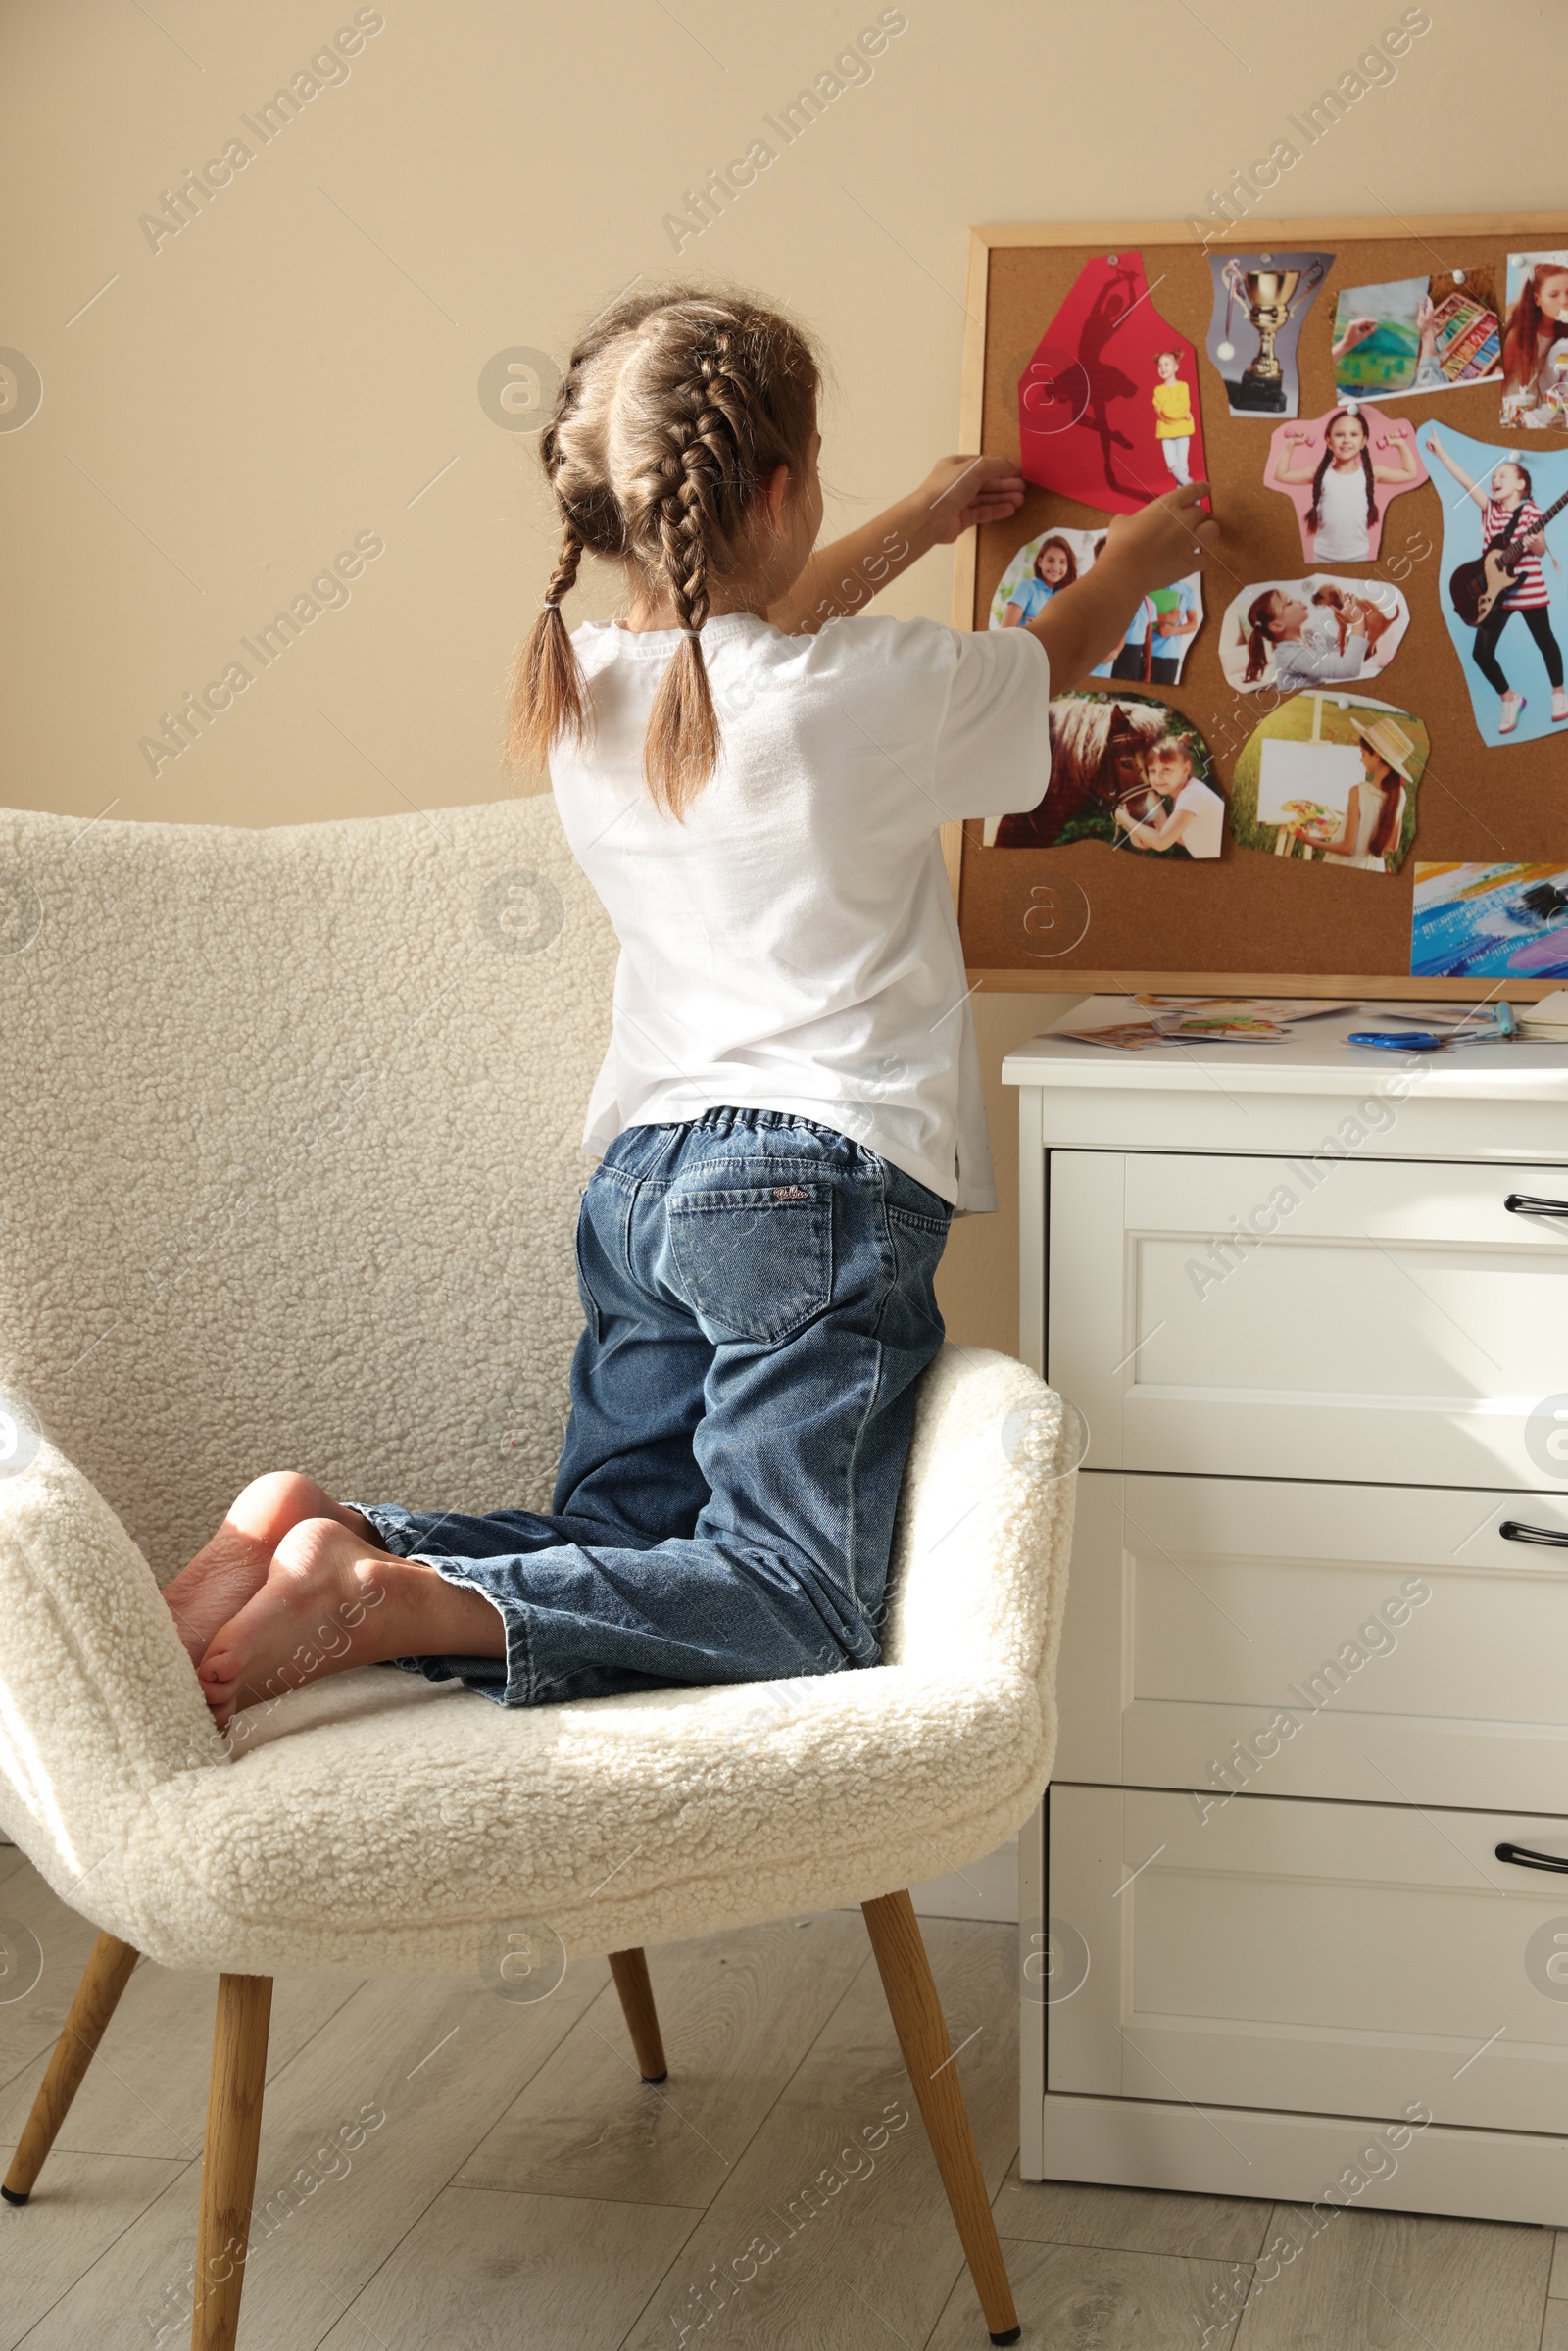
[(1343, 517), (1509, 501)]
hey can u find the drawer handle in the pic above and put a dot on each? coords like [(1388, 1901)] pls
[(1531, 1861), (1514, 1530), (1524, 1203)]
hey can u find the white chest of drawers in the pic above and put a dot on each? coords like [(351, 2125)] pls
[(1314, 1670)]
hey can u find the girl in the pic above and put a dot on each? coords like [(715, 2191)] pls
[(1535, 333), (1344, 511), (1173, 415), (1282, 625), (1510, 499), (788, 1113), (1374, 814), (1054, 566), (1194, 821)]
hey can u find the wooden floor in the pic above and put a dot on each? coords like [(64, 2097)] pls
[(446, 2166)]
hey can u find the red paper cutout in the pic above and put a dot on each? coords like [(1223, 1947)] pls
[(1088, 417)]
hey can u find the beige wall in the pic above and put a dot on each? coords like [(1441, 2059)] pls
[(221, 416)]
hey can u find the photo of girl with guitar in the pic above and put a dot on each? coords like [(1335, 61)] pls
[(1505, 578)]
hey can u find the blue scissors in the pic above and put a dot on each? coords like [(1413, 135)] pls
[(1403, 1041)]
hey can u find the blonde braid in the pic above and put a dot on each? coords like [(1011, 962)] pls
[(675, 411)]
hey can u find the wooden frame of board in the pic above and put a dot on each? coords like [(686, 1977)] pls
[(993, 254)]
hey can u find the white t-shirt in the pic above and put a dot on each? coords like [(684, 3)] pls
[(793, 945), (1204, 836), (1342, 533)]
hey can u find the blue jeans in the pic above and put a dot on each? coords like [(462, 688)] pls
[(760, 1306)]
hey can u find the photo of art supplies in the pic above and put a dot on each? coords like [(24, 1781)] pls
[(1107, 403), (1261, 305), (1534, 343), (1417, 334), (1332, 780), (1504, 601), (1489, 921), (1340, 471), (1154, 643), (1125, 770), (1291, 635), (1273, 1009), (1134, 1036)]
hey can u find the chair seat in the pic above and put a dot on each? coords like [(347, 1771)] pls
[(381, 1822), (377, 1822)]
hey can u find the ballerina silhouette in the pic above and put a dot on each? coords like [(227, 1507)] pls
[(1106, 383)]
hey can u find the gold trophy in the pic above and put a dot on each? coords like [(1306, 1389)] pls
[(1272, 297)]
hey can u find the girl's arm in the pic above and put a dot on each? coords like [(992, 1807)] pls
[(1013, 615), (1344, 841), (1458, 471), (1162, 835), (957, 493), (1296, 475), (1408, 468), (1151, 549)]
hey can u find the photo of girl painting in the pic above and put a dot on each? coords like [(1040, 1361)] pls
[(1344, 512), (1375, 814), (1535, 345)]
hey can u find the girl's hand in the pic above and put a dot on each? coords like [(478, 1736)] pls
[(1357, 331), (1164, 540), (1432, 444), (1536, 544), (960, 491)]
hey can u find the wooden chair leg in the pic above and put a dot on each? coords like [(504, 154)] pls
[(922, 2032), (630, 1971), (229, 2157), (104, 1979)]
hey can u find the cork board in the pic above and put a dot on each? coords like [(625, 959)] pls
[(1248, 918)]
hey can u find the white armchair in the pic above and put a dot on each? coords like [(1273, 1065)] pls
[(290, 1178)]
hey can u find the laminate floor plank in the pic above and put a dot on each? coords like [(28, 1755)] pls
[(145, 2091), (46, 2245), (1372, 2279), (1131, 2219), (735, 2012), (491, 2269), (436, 2059), (832, 2229), (1095, 2298)]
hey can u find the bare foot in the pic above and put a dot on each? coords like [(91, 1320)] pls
[(330, 1600), (224, 1573)]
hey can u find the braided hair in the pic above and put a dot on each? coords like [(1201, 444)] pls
[(674, 412), (1314, 516)]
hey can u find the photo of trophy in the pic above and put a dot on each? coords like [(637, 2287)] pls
[(1273, 296)]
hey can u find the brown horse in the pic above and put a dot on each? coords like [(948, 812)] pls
[(1096, 753)]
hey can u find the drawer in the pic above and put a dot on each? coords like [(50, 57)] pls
[(1380, 1320), (1385, 1643), (1348, 1959)]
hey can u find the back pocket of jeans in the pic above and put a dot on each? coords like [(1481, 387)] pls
[(756, 1263)]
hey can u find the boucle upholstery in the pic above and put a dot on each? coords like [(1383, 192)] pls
[(290, 1182)]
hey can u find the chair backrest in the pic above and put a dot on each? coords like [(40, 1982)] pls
[(292, 1154)]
